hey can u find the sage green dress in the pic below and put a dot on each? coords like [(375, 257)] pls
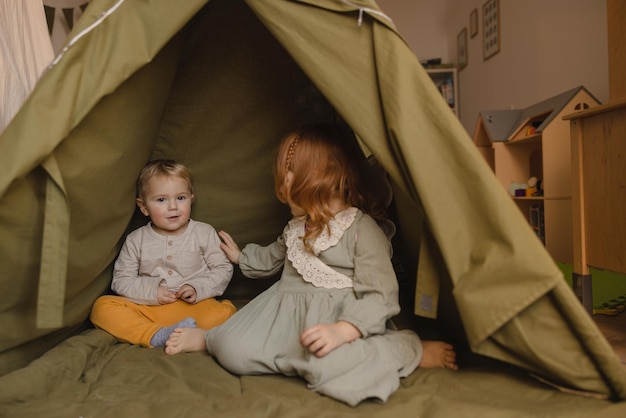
[(350, 279)]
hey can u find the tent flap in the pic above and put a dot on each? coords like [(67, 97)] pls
[(54, 251)]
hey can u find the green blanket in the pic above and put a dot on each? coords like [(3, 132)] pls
[(92, 375)]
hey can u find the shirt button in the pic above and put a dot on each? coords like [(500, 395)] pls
[(169, 257), (170, 272), (170, 243)]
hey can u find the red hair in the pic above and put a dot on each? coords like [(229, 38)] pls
[(324, 161)]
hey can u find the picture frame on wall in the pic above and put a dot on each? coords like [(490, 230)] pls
[(491, 28), (473, 23), (461, 45)]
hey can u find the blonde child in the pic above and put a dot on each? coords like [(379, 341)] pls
[(168, 271), (326, 318)]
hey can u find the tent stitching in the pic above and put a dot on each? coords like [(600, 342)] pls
[(85, 31)]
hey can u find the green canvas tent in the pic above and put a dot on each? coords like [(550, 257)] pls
[(215, 84)]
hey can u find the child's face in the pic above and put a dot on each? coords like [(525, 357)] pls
[(167, 201)]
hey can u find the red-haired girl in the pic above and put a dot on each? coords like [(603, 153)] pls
[(327, 318)]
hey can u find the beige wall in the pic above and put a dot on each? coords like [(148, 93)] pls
[(548, 46), (422, 23)]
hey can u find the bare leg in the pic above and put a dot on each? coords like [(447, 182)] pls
[(186, 340), (438, 354)]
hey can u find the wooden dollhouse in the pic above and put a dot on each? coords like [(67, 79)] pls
[(533, 144)]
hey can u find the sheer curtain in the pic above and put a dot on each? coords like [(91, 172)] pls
[(25, 51)]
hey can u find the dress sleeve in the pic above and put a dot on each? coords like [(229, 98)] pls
[(219, 270), (126, 280), (374, 281), (257, 262)]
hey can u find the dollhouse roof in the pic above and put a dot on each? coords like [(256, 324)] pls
[(501, 124)]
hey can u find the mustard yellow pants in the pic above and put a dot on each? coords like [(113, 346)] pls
[(136, 324)]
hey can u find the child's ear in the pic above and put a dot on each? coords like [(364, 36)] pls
[(142, 206), (193, 198)]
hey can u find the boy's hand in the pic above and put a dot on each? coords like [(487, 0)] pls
[(229, 246), (165, 296), (187, 293), (321, 339)]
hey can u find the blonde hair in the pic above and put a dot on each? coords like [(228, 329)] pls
[(324, 162), (162, 167)]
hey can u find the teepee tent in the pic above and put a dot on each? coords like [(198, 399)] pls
[(215, 84)]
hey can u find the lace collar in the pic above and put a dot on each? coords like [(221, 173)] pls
[(312, 269)]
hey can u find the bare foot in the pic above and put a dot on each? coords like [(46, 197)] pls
[(438, 354), (185, 340)]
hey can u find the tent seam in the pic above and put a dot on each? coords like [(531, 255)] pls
[(85, 31)]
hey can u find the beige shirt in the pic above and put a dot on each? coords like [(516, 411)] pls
[(148, 260)]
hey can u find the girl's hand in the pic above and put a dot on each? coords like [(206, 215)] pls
[(229, 246), (165, 296), (187, 293), (321, 339)]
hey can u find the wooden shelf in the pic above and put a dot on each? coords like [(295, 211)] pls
[(541, 198), (598, 136), (530, 139), (535, 142), (598, 110), (568, 197), (531, 125), (440, 77)]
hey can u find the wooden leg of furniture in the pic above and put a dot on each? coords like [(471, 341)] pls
[(581, 279), (582, 286)]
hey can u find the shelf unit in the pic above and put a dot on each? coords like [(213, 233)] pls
[(535, 142), (446, 81), (598, 163)]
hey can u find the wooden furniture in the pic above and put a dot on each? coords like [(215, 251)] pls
[(616, 31), (535, 142), (598, 138), (447, 82)]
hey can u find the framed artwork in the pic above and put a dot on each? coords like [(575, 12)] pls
[(474, 23), (461, 48), (491, 28)]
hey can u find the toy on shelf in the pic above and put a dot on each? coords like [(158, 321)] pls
[(532, 188)]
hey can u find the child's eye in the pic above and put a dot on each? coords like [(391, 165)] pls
[(160, 199), (182, 197)]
